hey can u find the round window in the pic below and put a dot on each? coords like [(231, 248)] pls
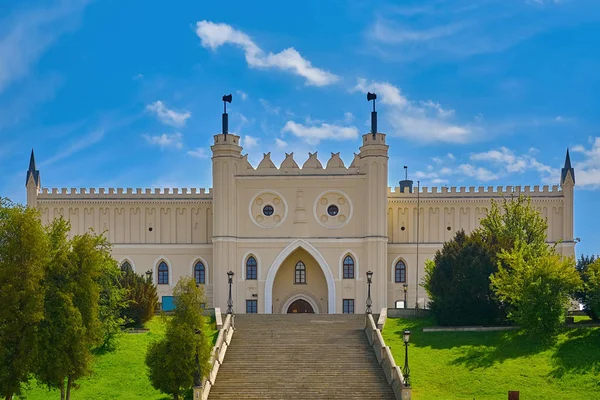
[(268, 210), (333, 210)]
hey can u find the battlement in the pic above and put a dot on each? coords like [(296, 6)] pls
[(480, 191), (124, 194), (312, 166)]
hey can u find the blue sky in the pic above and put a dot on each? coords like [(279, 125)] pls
[(127, 93)]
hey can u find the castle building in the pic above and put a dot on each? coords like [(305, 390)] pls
[(297, 239)]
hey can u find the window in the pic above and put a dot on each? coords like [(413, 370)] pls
[(300, 273), (333, 210), (400, 272), (251, 306), (163, 273), (126, 267), (348, 268), (348, 306), (200, 273), (251, 268), (268, 210)]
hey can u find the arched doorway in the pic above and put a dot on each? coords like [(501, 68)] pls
[(300, 306), (324, 297)]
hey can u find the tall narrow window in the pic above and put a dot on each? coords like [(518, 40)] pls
[(348, 306), (300, 273), (251, 306), (400, 272), (200, 273), (348, 268), (251, 268), (163, 273), (126, 267)]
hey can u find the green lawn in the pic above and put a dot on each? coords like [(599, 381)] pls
[(120, 374), (486, 365)]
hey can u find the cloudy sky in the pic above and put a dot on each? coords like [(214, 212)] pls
[(127, 94)]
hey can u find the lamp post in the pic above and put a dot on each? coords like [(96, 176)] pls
[(148, 275), (230, 301), (369, 302), (405, 286), (406, 371)]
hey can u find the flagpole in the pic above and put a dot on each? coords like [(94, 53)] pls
[(418, 224)]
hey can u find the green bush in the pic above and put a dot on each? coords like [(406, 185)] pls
[(457, 282), (141, 298)]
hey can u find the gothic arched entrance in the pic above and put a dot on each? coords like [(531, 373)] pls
[(300, 306)]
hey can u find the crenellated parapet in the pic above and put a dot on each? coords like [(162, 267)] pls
[(138, 194), (312, 166), (475, 192)]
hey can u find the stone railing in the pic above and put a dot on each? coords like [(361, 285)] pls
[(385, 358), (217, 355)]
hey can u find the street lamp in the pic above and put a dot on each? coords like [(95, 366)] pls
[(149, 275), (405, 290), (406, 371), (369, 302), (230, 301)]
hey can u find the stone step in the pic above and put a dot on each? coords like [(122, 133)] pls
[(303, 356)]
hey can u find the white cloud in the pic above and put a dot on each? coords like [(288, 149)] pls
[(249, 142), (387, 32), (26, 35), (76, 146), (214, 35), (348, 117), (200, 152), (165, 140), (268, 107), (503, 156), (587, 171), (314, 134), (280, 143), (479, 173), (422, 121), (243, 95), (168, 116)]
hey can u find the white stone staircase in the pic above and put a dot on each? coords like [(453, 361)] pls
[(300, 356)]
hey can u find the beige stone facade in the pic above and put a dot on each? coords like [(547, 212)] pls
[(279, 216)]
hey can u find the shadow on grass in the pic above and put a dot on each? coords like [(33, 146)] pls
[(580, 353), (477, 349)]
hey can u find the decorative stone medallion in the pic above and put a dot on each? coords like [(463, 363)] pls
[(267, 209), (333, 209)]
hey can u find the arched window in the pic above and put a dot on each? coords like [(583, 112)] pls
[(163, 273), (200, 273), (348, 267), (300, 273), (251, 268), (126, 267), (400, 272)]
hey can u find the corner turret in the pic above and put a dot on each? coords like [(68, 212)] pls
[(32, 182)]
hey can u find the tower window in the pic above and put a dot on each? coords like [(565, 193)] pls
[(200, 273), (251, 268), (333, 210), (268, 210), (300, 277), (348, 268)]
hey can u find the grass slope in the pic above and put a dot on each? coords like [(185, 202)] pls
[(120, 374), (486, 365)]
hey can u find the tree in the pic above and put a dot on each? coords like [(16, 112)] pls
[(181, 359), (591, 288), (72, 325), (581, 295), (141, 298), (23, 256), (457, 281), (112, 296), (536, 289)]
